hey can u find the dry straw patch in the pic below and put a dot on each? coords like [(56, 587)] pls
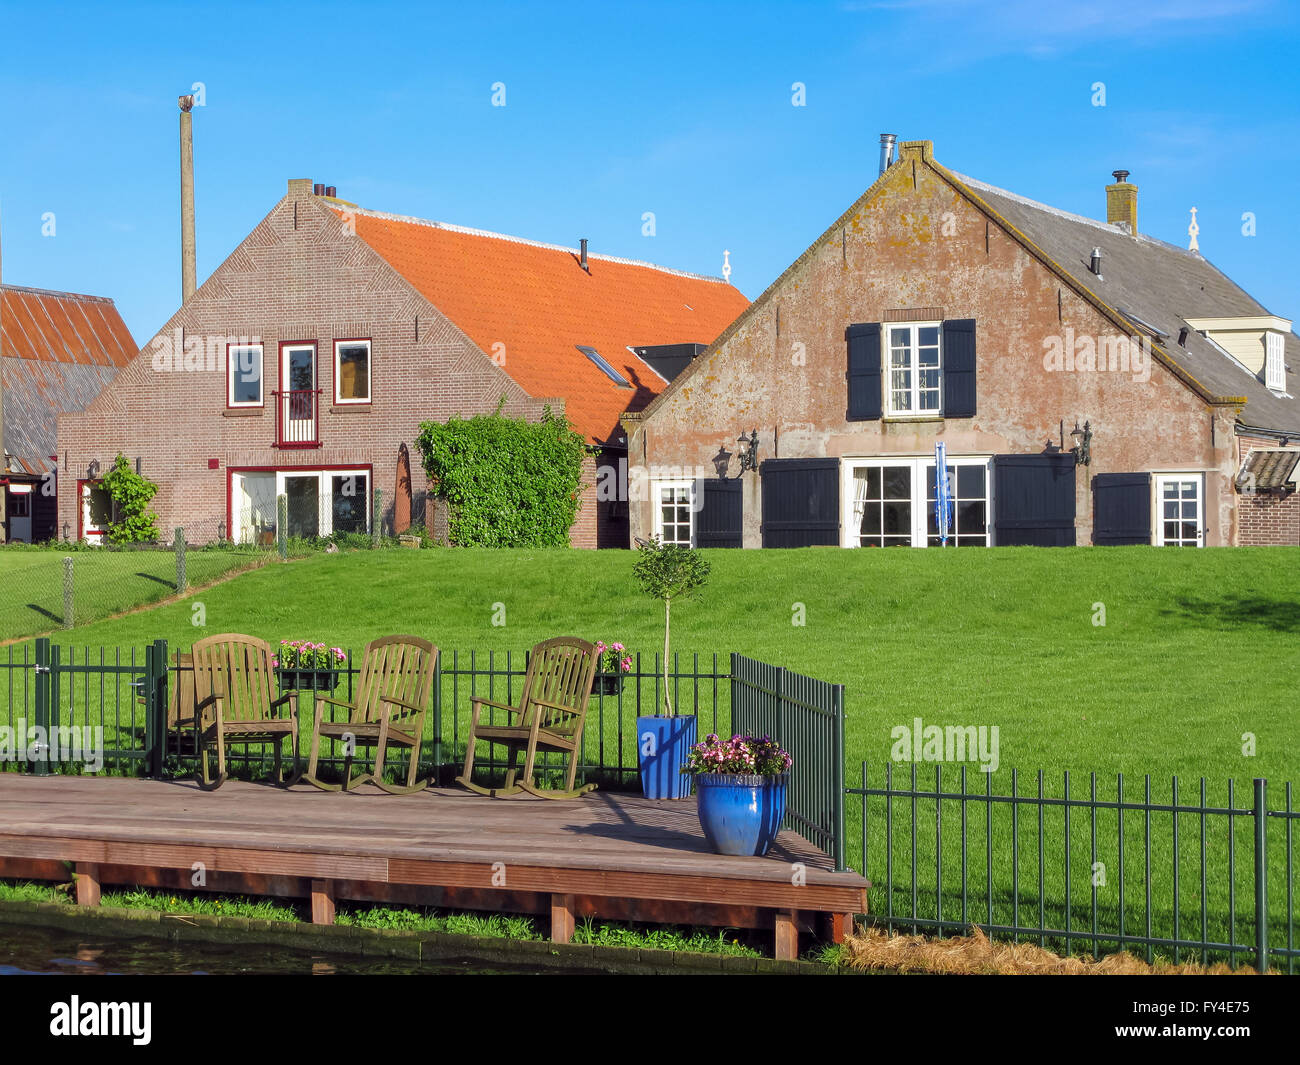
[(873, 948)]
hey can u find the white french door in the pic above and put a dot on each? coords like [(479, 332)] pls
[(318, 503), (890, 502), (1180, 506)]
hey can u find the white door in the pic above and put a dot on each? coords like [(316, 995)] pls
[(19, 509), (890, 503), (298, 394), (96, 512), (252, 508), (1180, 508)]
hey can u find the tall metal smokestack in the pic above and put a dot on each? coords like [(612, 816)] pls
[(189, 266)]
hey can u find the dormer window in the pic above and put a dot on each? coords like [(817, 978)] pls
[(1274, 366), (1256, 342)]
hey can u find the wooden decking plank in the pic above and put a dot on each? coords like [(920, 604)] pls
[(606, 845)]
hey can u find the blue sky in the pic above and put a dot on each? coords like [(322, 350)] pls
[(614, 110)]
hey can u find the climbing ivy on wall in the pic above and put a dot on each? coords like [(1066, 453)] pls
[(133, 522), (506, 482)]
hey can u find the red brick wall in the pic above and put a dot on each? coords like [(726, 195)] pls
[(299, 276), (918, 244), (1265, 519), (1269, 520)]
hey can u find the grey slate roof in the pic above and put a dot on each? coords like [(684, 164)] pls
[(36, 392), (1161, 284)]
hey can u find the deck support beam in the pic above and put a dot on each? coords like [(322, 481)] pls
[(562, 918), (322, 902), (787, 936), (87, 884), (835, 926)]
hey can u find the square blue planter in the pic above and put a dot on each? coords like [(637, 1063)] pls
[(663, 744)]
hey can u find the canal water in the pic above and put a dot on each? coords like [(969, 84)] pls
[(26, 950)]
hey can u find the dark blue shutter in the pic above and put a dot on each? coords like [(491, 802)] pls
[(864, 371), (720, 520), (1033, 500), (958, 355), (801, 502), (1121, 508)]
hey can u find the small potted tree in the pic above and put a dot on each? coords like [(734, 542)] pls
[(742, 783), (666, 572)]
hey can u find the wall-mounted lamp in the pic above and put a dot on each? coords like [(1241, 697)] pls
[(721, 461), (65, 530), (92, 471), (1082, 442), (748, 451)]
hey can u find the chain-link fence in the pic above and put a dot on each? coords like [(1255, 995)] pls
[(59, 585)]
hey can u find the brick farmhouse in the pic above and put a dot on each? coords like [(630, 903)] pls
[(304, 365), (1090, 384)]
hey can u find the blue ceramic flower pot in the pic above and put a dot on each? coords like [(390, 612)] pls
[(663, 744), (741, 813)]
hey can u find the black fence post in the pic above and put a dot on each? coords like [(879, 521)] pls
[(41, 711), (437, 720), (155, 721), (837, 781), (1261, 875)]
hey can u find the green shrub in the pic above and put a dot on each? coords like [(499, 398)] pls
[(506, 482), (132, 522)]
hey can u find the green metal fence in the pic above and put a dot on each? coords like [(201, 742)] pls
[(122, 696), (698, 684), (806, 717), (1188, 877)]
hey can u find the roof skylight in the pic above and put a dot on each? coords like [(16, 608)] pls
[(605, 367)]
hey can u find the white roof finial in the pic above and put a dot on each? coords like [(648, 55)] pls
[(1192, 230), (726, 267)]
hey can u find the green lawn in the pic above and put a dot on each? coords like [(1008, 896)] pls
[(104, 582), (1198, 648)]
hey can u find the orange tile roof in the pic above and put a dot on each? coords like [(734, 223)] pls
[(537, 301), (63, 327)]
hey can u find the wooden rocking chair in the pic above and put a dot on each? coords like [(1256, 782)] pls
[(234, 689), (551, 711), (388, 708)]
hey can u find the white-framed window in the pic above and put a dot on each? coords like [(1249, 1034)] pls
[(1180, 510), (913, 365), (1274, 363), (319, 503), (675, 512), (351, 371), (890, 502), (244, 375)]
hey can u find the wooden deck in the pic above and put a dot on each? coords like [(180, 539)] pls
[(612, 855)]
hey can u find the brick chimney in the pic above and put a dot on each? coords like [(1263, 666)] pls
[(1122, 202)]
